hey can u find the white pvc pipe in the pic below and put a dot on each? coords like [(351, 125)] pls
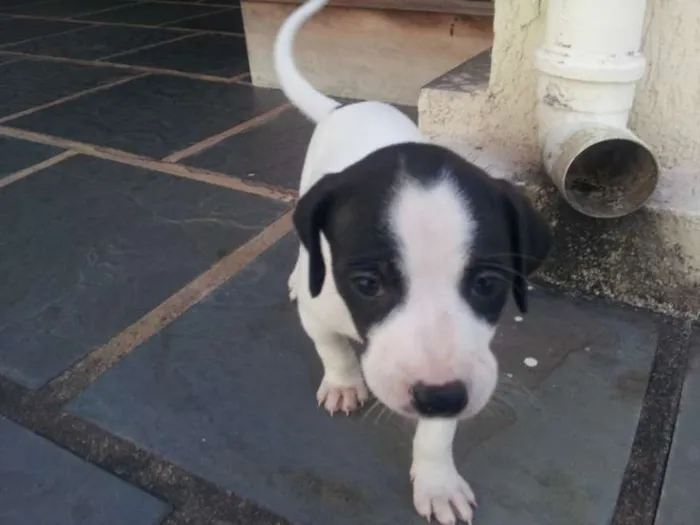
[(589, 65)]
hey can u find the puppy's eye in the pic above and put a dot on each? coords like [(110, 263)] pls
[(486, 284), (367, 284)]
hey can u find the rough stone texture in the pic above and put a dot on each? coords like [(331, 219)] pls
[(89, 246), (230, 21), (23, 84), (223, 386), (154, 115), (19, 154), (679, 500), (43, 484), (64, 8), (218, 55), (248, 155), (94, 43), (150, 13), (13, 30)]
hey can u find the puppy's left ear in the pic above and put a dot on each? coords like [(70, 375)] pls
[(530, 239), (310, 218)]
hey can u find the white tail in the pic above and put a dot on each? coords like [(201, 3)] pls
[(311, 102)]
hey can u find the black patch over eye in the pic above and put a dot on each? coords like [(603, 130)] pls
[(486, 291), (367, 284), (485, 284)]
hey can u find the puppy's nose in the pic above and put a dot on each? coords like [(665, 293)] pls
[(439, 400)]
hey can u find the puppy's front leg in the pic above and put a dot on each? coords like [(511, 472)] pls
[(343, 387), (438, 489)]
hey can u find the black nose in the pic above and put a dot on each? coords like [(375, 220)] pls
[(439, 400)]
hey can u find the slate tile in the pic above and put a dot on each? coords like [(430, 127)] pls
[(96, 42), (228, 392), (13, 30), (90, 246), (65, 8), (679, 503), (17, 154), (154, 115), (44, 484), (229, 21), (150, 13), (30, 83), (217, 55), (272, 153)]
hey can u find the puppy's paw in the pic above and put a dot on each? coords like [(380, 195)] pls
[(440, 492), (346, 397)]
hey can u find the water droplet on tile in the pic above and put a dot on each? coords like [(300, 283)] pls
[(518, 318), (530, 362)]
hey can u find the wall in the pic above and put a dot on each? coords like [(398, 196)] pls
[(367, 53), (667, 108)]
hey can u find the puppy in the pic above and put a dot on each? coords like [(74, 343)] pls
[(410, 249)]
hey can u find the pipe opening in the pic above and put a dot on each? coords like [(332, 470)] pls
[(610, 178)]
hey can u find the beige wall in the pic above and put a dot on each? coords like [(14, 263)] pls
[(367, 53), (666, 113)]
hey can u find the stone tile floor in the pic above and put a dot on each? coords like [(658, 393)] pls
[(151, 367)]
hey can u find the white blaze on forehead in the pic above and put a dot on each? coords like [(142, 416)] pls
[(434, 229)]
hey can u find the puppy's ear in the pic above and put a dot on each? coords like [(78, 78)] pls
[(530, 239), (310, 218)]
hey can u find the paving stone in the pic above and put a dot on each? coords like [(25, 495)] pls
[(16, 154), (23, 85), (247, 154), (211, 54), (679, 499), (13, 30), (43, 484), (150, 13), (89, 246), (66, 8), (272, 153), (230, 21), (228, 392), (154, 115), (96, 42)]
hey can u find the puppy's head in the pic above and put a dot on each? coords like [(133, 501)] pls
[(426, 248)]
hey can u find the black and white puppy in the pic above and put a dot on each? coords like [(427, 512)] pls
[(411, 250)]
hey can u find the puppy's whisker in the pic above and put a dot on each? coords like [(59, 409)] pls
[(371, 409)]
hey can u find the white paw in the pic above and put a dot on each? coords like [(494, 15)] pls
[(440, 492), (348, 397)]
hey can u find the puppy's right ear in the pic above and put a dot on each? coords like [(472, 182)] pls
[(310, 218)]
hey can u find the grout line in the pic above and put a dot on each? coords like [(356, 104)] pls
[(642, 483), (18, 175), (214, 11), (103, 10), (147, 46), (116, 65), (79, 376), (133, 68), (119, 24), (215, 139), (123, 157), (79, 27), (68, 98)]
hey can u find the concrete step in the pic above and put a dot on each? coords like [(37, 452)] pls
[(372, 50), (649, 259)]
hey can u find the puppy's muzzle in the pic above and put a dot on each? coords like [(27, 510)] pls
[(447, 400)]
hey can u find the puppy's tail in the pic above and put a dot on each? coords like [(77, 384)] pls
[(311, 102)]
